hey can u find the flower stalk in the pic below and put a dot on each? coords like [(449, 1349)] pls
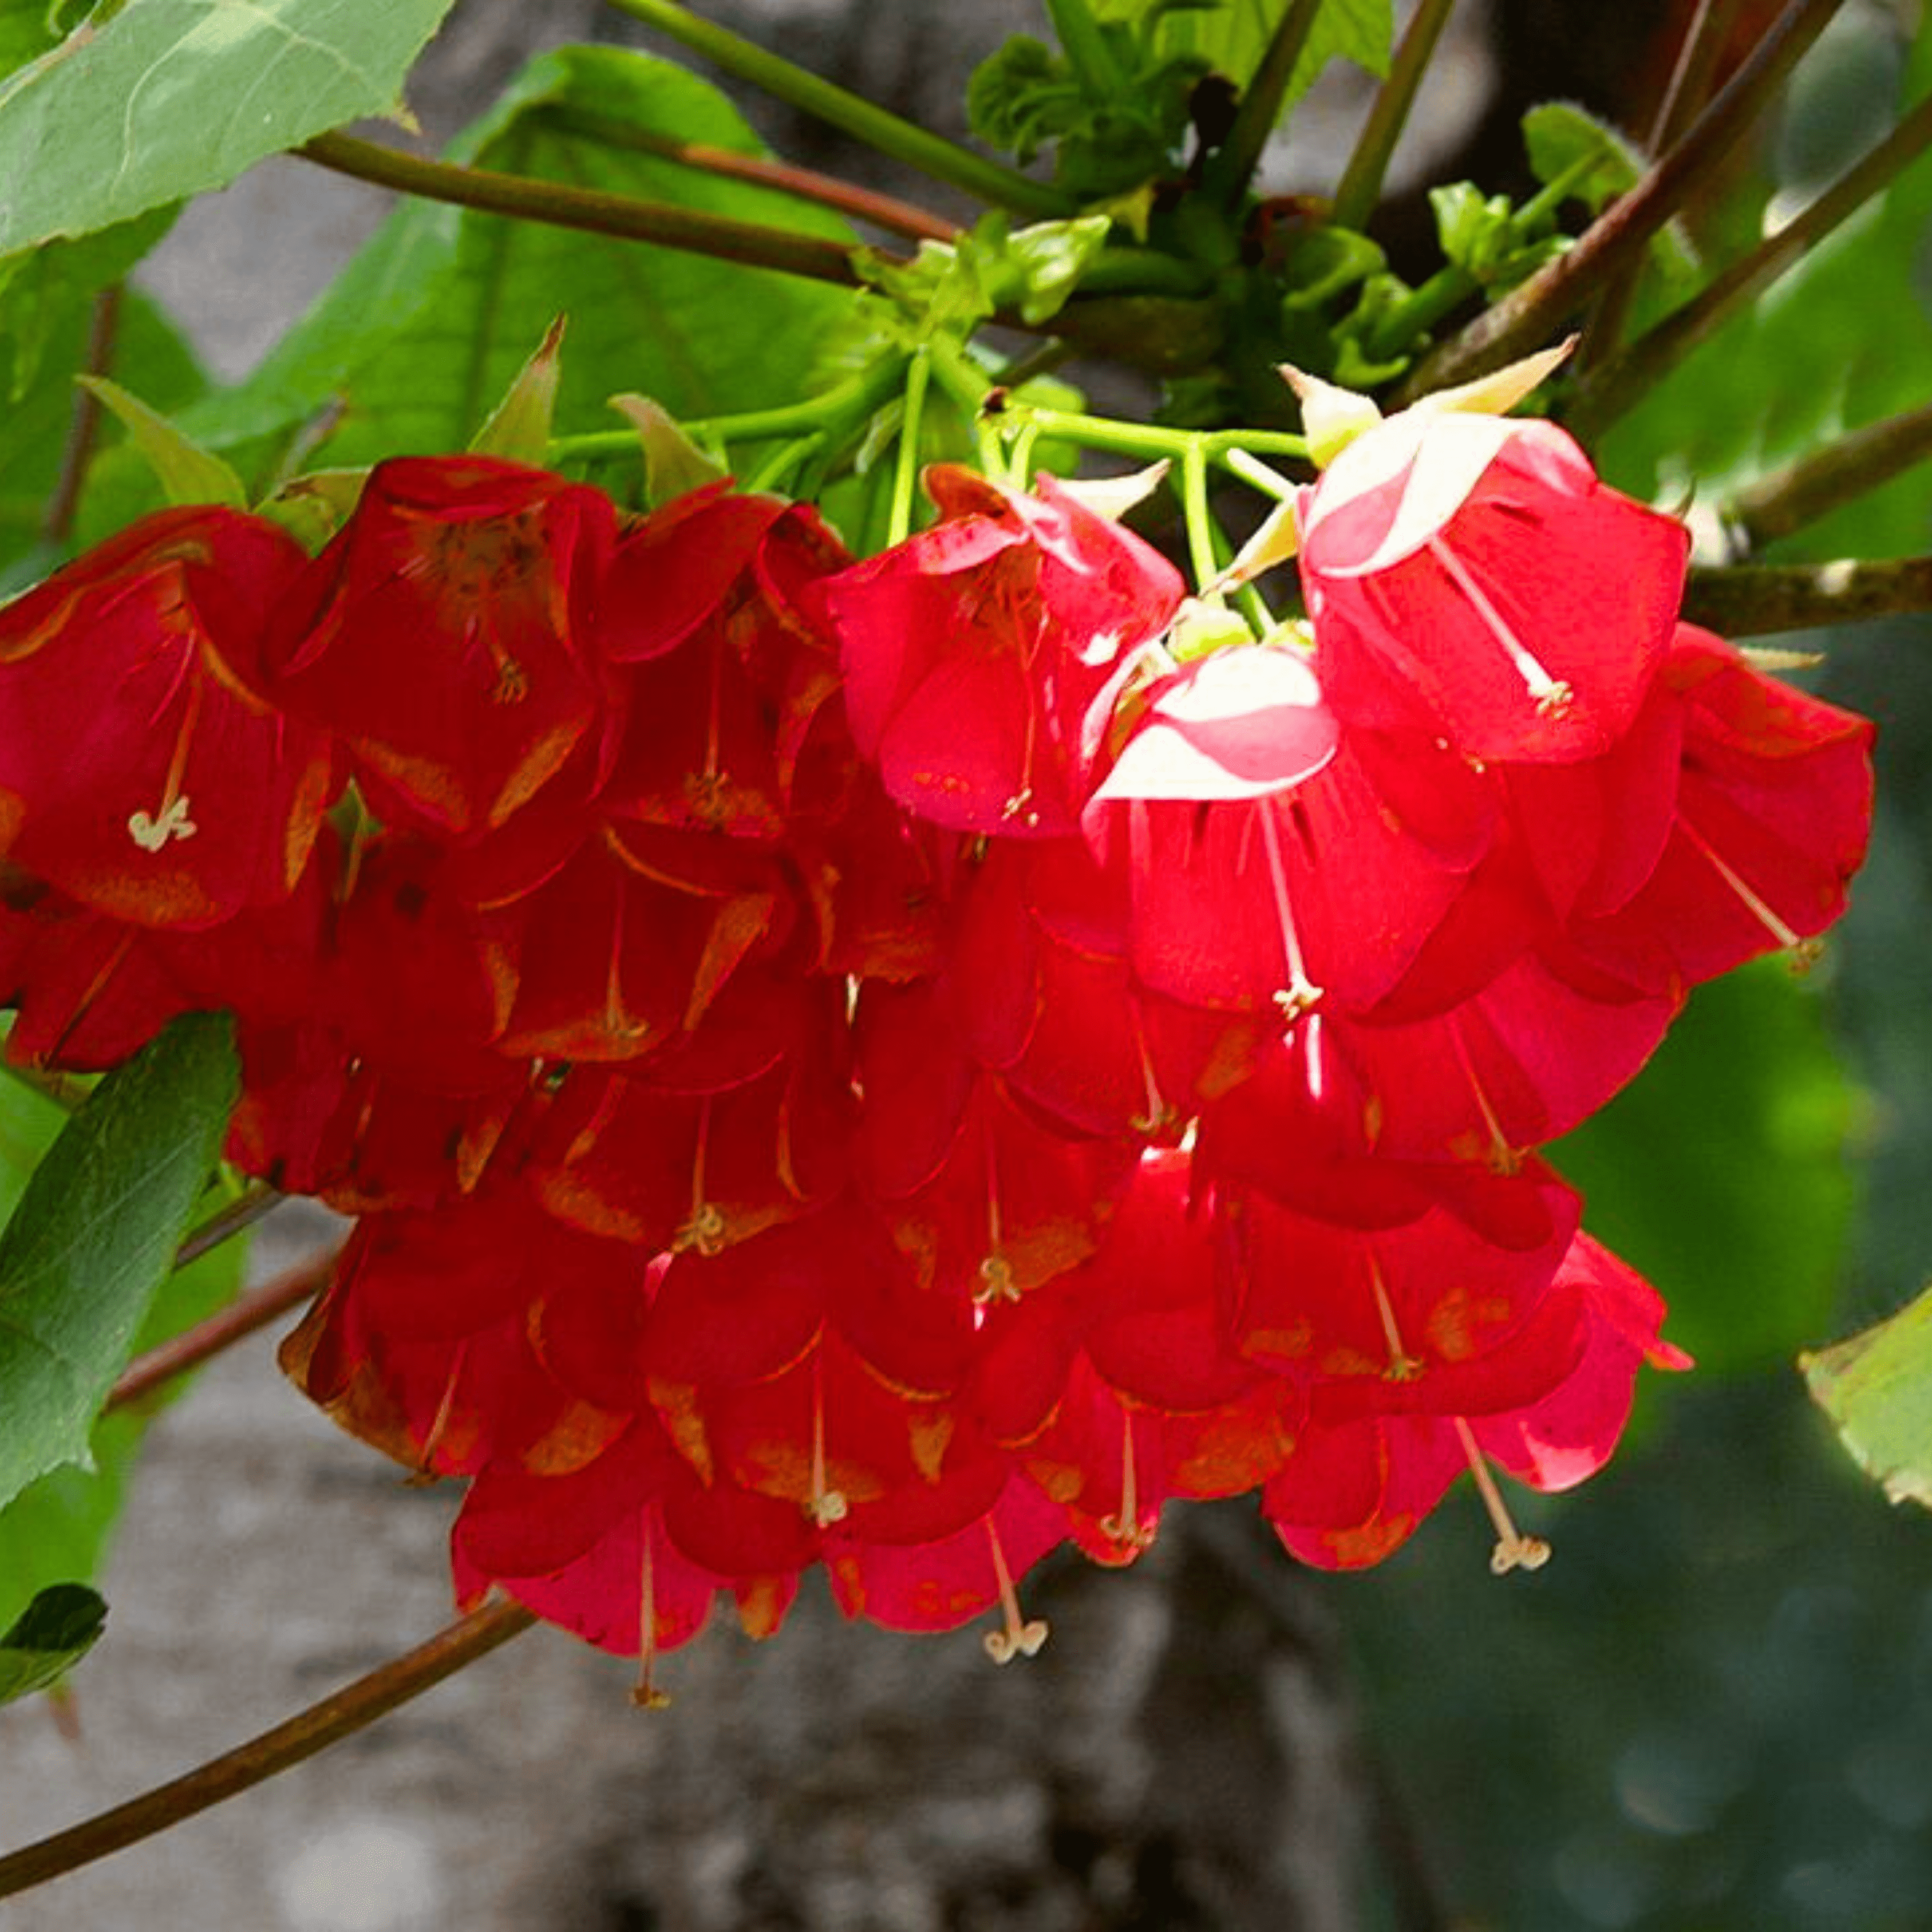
[(242, 1317), (1232, 170)]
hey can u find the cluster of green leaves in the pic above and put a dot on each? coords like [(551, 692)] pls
[(1109, 133)]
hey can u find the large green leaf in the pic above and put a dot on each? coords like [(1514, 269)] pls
[(431, 323), (94, 1235), (1232, 36), (171, 98), (1877, 1387), (48, 1637), (1721, 1174)]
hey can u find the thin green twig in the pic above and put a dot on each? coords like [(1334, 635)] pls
[(337, 1716), (754, 243), (931, 153), (1229, 174), (247, 1208), (1829, 478), (1361, 186)]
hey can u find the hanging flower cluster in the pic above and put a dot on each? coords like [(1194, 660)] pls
[(898, 1065)]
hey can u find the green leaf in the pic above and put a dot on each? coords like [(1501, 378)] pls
[(1721, 1173), (52, 1634), (1568, 144), (186, 472), (698, 334), (169, 98), (94, 1238), (1877, 1387), (1232, 36)]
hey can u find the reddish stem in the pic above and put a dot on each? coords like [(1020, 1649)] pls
[(242, 1317), (861, 204), (337, 1716), (84, 425)]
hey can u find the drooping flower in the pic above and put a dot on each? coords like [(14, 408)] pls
[(143, 771), (1478, 564), (973, 650), (445, 636)]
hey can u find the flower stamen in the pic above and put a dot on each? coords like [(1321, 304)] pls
[(1021, 1637), (1514, 1550), (1553, 696)]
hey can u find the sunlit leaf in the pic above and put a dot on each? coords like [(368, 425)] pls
[(171, 98), (1877, 1387)]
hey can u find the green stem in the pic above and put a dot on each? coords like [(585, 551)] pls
[(1199, 518), (1154, 439), (240, 1318), (750, 242), (1532, 314), (1086, 48), (337, 1716), (1228, 174), (1608, 390), (887, 133), (861, 204), (905, 467), (1361, 186), (1830, 478), (1753, 600), (832, 412), (57, 521), (1421, 310)]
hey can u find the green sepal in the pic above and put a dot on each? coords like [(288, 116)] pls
[(186, 472), (519, 427), (674, 465)]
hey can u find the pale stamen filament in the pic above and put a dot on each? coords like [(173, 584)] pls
[(1754, 905), (997, 1283), (705, 1230), (1402, 1367), (1300, 995), (1514, 1550), (170, 819), (824, 1506), (426, 1469), (1503, 1158), (645, 1693), (1156, 1116), (1126, 1529), (1553, 696), (1021, 1637)]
